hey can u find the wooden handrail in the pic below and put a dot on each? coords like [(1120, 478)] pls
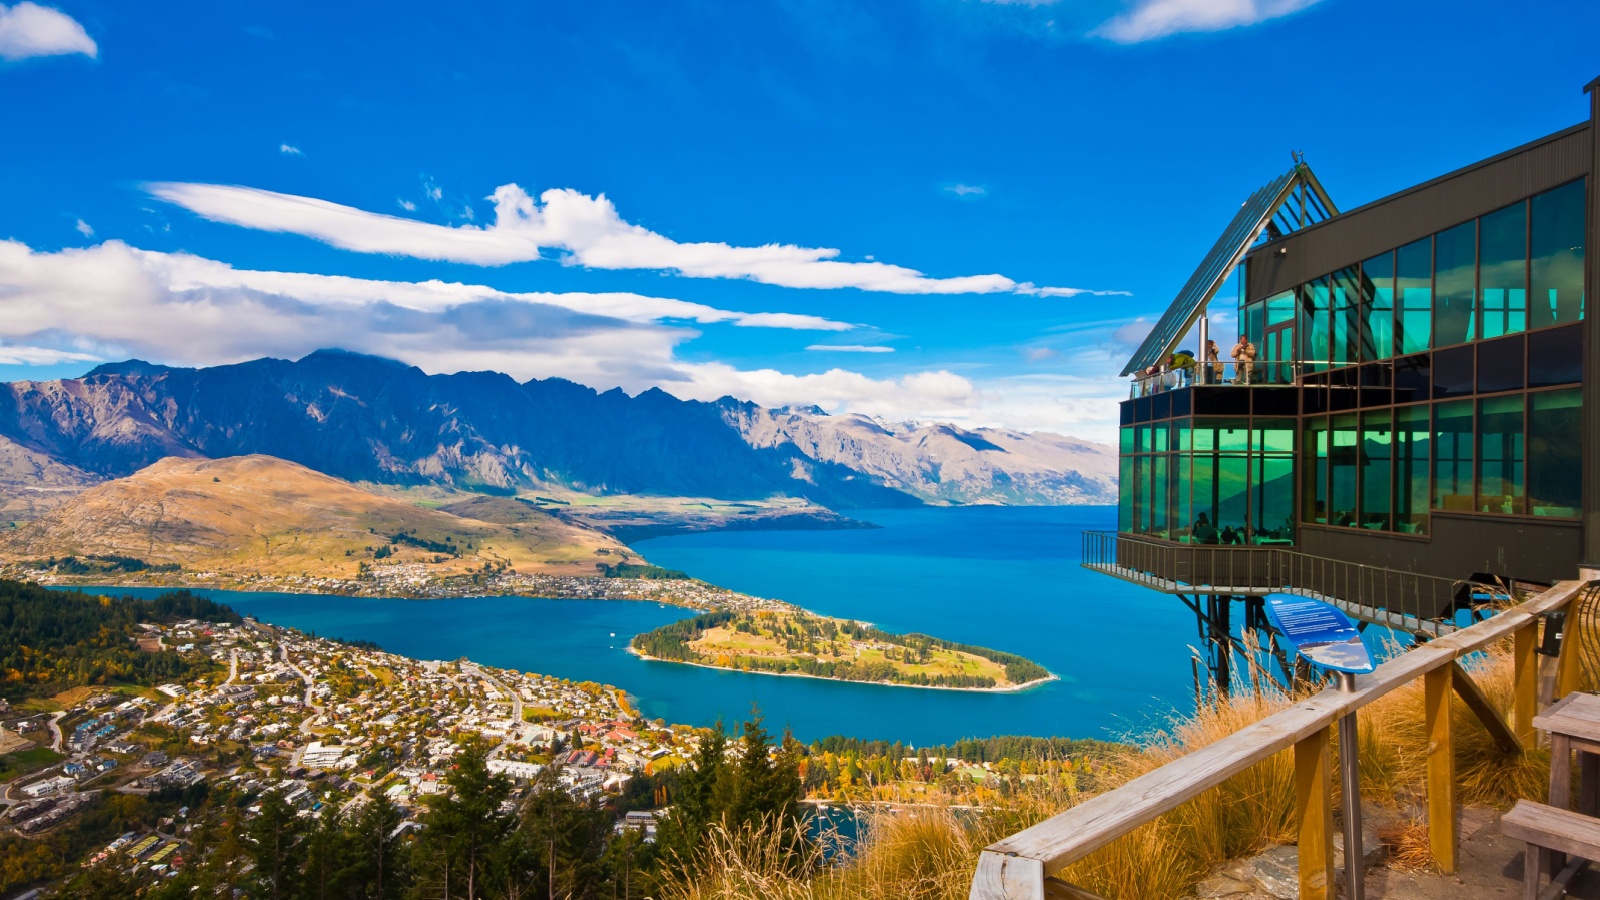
[(1016, 868)]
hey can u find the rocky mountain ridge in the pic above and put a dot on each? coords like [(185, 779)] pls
[(367, 419)]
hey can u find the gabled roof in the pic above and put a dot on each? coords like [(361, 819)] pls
[(1288, 203)]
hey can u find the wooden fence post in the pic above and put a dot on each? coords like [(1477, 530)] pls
[(1567, 674), (1313, 789), (1441, 768), (1525, 678)]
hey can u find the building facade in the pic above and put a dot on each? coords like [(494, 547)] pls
[(1421, 399)]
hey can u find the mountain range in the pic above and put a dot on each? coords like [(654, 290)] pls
[(368, 419)]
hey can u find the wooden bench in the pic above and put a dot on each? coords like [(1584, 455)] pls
[(1547, 829)]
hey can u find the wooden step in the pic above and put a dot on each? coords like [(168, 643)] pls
[(1554, 829)]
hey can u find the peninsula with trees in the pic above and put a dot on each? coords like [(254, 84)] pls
[(795, 642)]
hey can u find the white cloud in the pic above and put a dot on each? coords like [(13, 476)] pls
[(851, 348), (113, 301), (290, 150), (967, 190), (406, 205), (1151, 19), (117, 300), (586, 229), (1132, 334), (12, 355), (84, 228), (28, 30), (1040, 354)]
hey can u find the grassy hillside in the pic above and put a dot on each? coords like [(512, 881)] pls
[(249, 514)]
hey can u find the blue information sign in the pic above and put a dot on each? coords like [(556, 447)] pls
[(1320, 631)]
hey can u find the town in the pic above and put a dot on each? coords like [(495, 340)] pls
[(418, 582), (323, 723)]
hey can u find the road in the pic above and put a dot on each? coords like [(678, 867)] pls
[(516, 702), (233, 666), (55, 730), (313, 709)]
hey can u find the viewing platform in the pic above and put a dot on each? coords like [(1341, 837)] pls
[(1404, 601)]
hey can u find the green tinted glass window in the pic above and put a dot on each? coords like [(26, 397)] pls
[(1280, 308), (1503, 271), (1500, 455), (1413, 435), (1160, 494), (1454, 259), (1158, 437), (1377, 452), (1343, 447), (1141, 494), (1221, 435), (1254, 325), (1413, 291), (1220, 498), (1555, 452), (1125, 494), (1452, 456), (1233, 474), (1272, 500), (1126, 445), (1274, 436), (1345, 319), (1314, 471), (1556, 236), (1377, 307), (1141, 438), (1180, 435), (1316, 311), (1182, 517)]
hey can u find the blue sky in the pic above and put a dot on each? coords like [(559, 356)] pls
[(716, 198)]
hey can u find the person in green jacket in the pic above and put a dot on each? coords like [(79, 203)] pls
[(1183, 363)]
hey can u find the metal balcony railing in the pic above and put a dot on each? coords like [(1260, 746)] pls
[(1219, 374), (1386, 596)]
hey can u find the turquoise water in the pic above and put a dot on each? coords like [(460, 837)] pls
[(1006, 578)]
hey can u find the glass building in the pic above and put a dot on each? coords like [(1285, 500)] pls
[(1416, 402)]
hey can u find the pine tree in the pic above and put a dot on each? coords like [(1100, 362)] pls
[(462, 827), (272, 835), (373, 871)]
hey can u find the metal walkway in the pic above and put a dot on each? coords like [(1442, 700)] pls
[(1376, 615), (1406, 601)]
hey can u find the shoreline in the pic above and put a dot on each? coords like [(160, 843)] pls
[(490, 591), (1011, 689)]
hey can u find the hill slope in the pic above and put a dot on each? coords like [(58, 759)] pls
[(260, 514), (367, 419)]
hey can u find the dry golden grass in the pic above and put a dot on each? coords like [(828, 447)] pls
[(249, 514), (1407, 841), (930, 852)]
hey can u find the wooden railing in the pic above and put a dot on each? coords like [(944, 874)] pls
[(1019, 867)]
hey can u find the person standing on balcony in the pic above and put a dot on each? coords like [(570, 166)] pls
[(1244, 357), (1212, 372)]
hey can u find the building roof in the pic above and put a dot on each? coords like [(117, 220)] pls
[(1287, 203)]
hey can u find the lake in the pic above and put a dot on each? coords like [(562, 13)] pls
[(1001, 577)]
